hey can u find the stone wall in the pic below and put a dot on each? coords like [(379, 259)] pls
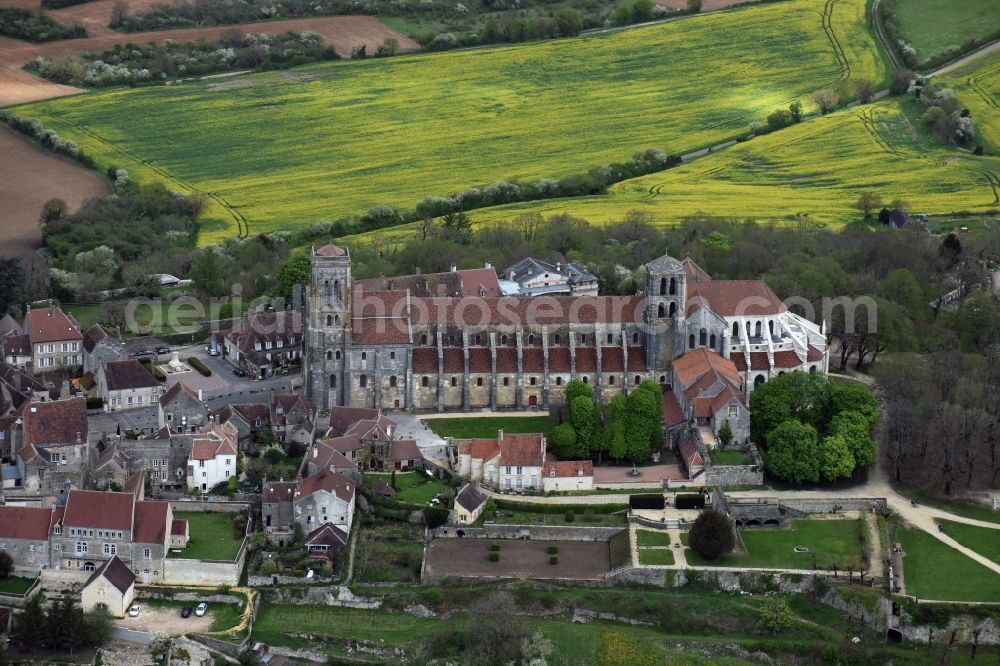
[(180, 571), (209, 506), (534, 532)]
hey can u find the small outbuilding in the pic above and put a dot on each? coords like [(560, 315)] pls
[(469, 505), (111, 588)]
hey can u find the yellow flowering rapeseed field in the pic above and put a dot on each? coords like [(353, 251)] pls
[(812, 172), (285, 149), (977, 85)]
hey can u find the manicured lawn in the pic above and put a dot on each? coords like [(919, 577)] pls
[(731, 458), (964, 508), (830, 541), (662, 556), (983, 540), (488, 426), (934, 26), (650, 538), (465, 118), (212, 537), (934, 570), (15, 584)]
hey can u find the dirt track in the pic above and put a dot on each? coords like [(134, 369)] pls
[(28, 178), (19, 87), (707, 5)]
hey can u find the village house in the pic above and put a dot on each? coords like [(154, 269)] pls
[(111, 470), (710, 392), (9, 326), (324, 456), (469, 505), (50, 444), (16, 351), (567, 475), (163, 455), (111, 588), (534, 277), (248, 419), (181, 409), (56, 341), (365, 437), (24, 535), (292, 419), (126, 385), (508, 462), (326, 497), (100, 347), (261, 343), (213, 457)]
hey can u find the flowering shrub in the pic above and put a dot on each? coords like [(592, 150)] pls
[(22, 24)]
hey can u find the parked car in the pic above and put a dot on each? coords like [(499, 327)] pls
[(201, 609), (239, 372), (134, 610), (186, 612), (213, 350), (142, 352), (163, 350)]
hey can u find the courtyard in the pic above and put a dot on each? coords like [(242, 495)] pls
[(212, 537), (583, 560)]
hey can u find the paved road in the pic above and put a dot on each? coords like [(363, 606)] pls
[(131, 636)]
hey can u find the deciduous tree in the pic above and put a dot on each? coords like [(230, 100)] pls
[(711, 535), (793, 452)]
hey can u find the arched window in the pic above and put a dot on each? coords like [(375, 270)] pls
[(691, 341), (329, 356), (663, 379), (336, 289), (660, 311), (611, 380), (702, 337), (503, 339), (673, 308), (392, 381), (336, 320), (812, 369), (583, 339), (711, 341), (638, 380), (533, 382), (585, 379), (451, 339), (479, 381), (506, 381), (478, 339), (558, 381), (364, 356), (673, 286), (329, 320), (770, 327), (611, 338), (557, 338), (736, 329), (336, 355), (333, 381), (326, 289), (424, 381), (452, 381), (758, 380), (363, 381), (663, 286), (756, 330), (635, 337), (531, 339), (423, 339)]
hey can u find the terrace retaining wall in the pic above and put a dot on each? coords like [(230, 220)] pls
[(532, 532), (208, 506), (734, 475)]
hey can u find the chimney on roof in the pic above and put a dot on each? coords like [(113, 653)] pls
[(52, 310), (315, 451), (558, 267), (500, 435), (489, 264), (417, 270), (454, 268)]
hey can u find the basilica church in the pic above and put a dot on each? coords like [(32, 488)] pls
[(449, 342)]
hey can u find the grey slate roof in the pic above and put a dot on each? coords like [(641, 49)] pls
[(470, 498)]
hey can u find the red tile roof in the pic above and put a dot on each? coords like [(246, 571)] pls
[(567, 468), (50, 325), (479, 360), (612, 359), (330, 250), (93, 335), (758, 361), (814, 354), (176, 390), (16, 345), (689, 454), (729, 298), (425, 360), (454, 360), (178, 527), (786, 359), (212, 441), (738, 361), (695, 364), (404, 449), (279, 491), (525, 450), (55, 422), (22, 522), (342, 418), (151, 522), (532, 360), (637, 359), (344, 443), (559, 360), (484, 449), (380, 331), (116, 572), (92, 508), (332, 482), (671, 410), (586, 359), (506, 359)]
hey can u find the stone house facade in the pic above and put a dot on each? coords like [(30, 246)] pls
[(710, 391), (56, 341), (319, 499), (50, 444), (181, 409), (126, 385), (24, 535), (100, 347)]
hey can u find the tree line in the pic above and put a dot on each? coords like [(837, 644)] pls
[(60, 625)]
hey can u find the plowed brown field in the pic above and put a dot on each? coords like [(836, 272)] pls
[(28, 178)]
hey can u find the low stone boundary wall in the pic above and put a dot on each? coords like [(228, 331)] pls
[(533, 532), (224, 647), (734, 475), (262, 580), (208, 506), (19, 600)]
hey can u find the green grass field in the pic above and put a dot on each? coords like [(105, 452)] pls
[(660, 556), (812, 172), (651, 538), (487, 426), (977, 84), (934, 570), (211, 536), (935, 26), (983, 540), (359, 133), (15, 584), (829, 541), (731, 458), (415, 487)]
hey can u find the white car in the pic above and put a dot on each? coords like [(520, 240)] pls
[(201, 609), (134, 610)]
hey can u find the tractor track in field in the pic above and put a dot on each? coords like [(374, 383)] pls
[(838, 50), (979, 90)]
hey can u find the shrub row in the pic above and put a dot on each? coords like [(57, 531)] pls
[(47, 138), (508, 505), (134, 63), (22, 24), (200, 366), (690, 501), (908, 53), (59, 4)]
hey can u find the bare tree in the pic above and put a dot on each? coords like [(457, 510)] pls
[(826, 100), (119, 12), (868, 202), (865, 90)]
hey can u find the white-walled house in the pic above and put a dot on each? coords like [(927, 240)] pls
[(327, 497), (509, 462), (213, 457), (126, 385), (568, 475)]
